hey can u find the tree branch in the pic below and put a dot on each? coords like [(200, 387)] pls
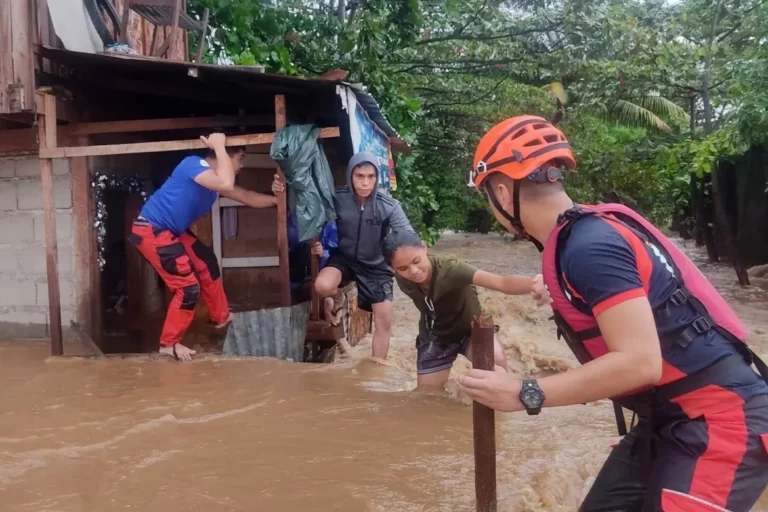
[(479, 98), (510, 35), (740, 21)]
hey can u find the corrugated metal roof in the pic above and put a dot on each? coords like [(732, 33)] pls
[(167, 72), (275, 332)]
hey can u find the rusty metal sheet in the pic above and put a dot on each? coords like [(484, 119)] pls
[(274, 332)]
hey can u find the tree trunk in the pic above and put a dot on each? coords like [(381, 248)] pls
[(721, 213)]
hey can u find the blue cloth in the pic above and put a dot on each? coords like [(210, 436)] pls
[(180, 201), (299, 250), (601, 271)]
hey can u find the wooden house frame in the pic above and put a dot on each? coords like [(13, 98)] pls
[(82, 124)]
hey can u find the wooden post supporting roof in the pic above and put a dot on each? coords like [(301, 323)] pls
[(484, 419), (282, 215), (47, 134)]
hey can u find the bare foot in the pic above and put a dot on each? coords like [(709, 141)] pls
[(331, 316), (343, 346), (179, 352)]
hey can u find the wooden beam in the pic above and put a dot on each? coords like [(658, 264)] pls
[(157, 147), (22, 88), (250, 262), (320, 330), (85, 253), (172, 123), (314, 299), (6, 62), (65, 110), (483, 419), (51, 247), (282, 214), (51, 134)]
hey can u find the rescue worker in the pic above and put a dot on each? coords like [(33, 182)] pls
[(187, 266), (649, 329), (365, 217)]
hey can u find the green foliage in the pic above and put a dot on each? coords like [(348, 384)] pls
[(623, 76)]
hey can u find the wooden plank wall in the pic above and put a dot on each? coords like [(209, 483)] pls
[(254, 288), (140, 36), (17, 79)]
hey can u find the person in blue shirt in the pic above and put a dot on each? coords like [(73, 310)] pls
[(187, 266), (300, 264)]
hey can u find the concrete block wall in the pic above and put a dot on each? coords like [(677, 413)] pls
[(23, 282)]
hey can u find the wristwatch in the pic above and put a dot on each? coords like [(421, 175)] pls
[(531, 396)]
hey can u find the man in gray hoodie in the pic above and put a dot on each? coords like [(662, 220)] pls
[(364, 219)]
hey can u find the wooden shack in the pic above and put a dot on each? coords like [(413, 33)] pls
[(86, 136)]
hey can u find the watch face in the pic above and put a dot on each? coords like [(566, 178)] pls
[(532, 397)]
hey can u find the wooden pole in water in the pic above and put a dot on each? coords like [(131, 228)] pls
[(483, 419)]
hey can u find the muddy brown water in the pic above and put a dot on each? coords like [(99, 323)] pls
[(245, 435)]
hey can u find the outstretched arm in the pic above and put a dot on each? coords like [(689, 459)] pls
[(603, 271), (256, 199), (250, 198), (511, 285), (633, 361)]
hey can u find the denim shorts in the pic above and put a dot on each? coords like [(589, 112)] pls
[(435, 355)]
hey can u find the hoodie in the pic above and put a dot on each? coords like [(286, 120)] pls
[(362, 227)]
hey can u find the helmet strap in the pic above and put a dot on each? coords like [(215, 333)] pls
[(514, 220)]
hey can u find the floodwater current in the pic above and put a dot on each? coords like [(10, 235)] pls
[(265, 435)]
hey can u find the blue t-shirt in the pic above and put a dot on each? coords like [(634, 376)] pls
[(600, 270), (180, 201)]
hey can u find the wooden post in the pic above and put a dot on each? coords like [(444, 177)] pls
[(282, 215), (483, 419), (47, 133), (315, 300), (83, 238)]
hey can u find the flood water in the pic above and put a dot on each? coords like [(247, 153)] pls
[(266, 435)]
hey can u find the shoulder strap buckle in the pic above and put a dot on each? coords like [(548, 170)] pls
[(701, 325), (678, 297)]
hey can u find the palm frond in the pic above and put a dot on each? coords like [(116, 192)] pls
[(557, 90), (663, 107), (633, 114)]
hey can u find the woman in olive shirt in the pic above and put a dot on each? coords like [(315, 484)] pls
[(443, 290)]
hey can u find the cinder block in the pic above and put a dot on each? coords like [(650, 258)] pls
[(7, 196), (23, 323), (66, 293), (63, 228), (30, 193), (15, 229), (7, 168), (28, 167), (32, 260), (17, 292), (60, 166), (8, 259)]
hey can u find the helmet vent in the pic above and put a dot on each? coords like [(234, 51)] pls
[(518, 133), (551, 138)]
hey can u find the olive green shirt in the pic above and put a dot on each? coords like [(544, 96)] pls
[(453, 296)]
